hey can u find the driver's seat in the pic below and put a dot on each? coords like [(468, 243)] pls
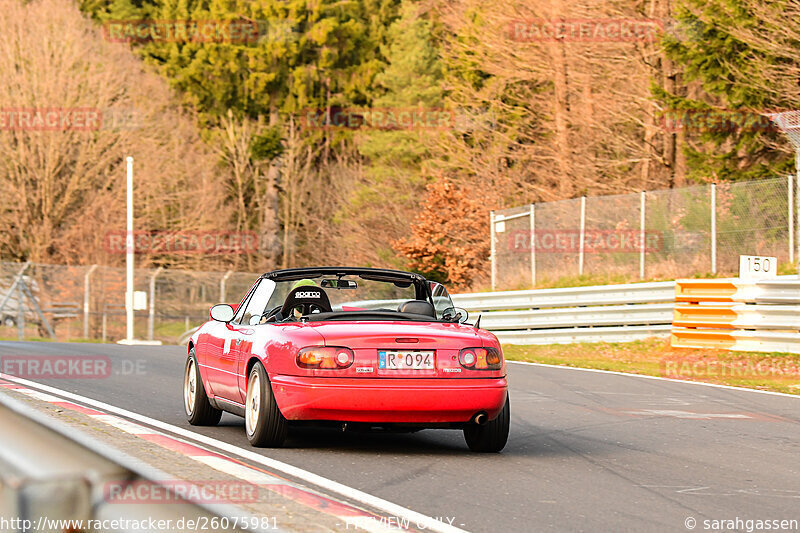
[(307, 299)]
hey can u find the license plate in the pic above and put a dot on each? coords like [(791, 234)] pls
[(405, 360)]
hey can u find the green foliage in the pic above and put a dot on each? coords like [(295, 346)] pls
[(705, 45)]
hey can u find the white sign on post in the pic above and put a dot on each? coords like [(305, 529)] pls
[(139, 300), (757, 267)]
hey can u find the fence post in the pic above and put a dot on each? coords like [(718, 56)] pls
[(642, 234), (582, 234), (20, 311), (532, 242), (790, 188), (492, 250), (713, 228), (86, 300), (222, 287), (151, 319), (797, 201)]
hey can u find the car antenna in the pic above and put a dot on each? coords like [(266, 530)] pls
[(478, 322)]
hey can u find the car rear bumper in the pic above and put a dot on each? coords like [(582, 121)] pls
[(414, 401)]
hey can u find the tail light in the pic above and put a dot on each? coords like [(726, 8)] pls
[(480, 358), (325, 357)]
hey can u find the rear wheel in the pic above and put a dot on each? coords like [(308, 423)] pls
[(264, 423), (492, 436), (199, 410)]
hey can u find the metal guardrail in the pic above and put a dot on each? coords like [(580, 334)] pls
[(631, 293), (50, 472), (600, 313), (734, 314)]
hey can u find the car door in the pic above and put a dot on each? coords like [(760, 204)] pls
[(220, 363), (214, 349), (242, 330)]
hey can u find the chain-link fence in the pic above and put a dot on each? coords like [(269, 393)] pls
[(663, 234), (88, 302)]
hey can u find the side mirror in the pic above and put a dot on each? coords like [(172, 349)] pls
[(456, 314), (461, 315), (221, 313)]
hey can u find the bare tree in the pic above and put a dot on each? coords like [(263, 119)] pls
[(74, 106)]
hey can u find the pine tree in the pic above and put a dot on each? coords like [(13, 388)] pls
[(722, 97)]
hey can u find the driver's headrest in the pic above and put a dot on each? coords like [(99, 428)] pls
[(306, 294), (417, 307)]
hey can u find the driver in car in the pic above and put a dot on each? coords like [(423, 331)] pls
[(296, 311)]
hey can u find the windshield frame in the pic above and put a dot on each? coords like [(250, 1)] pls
[(422, 290)]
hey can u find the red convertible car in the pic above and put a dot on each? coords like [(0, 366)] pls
[(357, 347)]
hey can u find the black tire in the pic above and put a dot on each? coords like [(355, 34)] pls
[(9, 322), (199, 411), (492, 436), (265, 425)]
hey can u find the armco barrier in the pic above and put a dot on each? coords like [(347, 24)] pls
[(734, 314), (601, 313), (50, 471)]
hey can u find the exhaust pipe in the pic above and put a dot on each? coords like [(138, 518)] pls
[(480, 419)]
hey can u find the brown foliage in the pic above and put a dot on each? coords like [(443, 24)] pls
[(63, 189), (448, 238)]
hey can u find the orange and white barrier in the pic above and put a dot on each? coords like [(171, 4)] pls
[(735, 314)]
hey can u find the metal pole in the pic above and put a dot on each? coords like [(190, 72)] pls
[(790, 188), (86, 298), (105, 325), (151, 319), (642, 235), (222, 285), (20, 310), (492, 249), (129, 253), (797, 201), (582, 235), (713, 228), (533, 245)]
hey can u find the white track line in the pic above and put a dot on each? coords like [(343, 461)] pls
[(673, 380), (420, 520)]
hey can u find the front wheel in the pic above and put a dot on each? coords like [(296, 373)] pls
[(264, 423), (199, 410), (492, 436)]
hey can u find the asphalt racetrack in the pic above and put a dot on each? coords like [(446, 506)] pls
[(588, 451)]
